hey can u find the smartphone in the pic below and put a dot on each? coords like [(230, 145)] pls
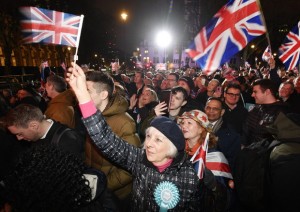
[(166, 97)]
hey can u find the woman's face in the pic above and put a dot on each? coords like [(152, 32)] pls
[(146, 97), (190, 128), (157, 147)]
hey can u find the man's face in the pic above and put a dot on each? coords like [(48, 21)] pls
[(171, 81), (177, 101), (49, 89), (213, 110), (164, 84), (94, 94), (184, 85), (285, 90), (258, 94), (156, 146), (138, 78), (27, 134), (22, 94), (232, 96)]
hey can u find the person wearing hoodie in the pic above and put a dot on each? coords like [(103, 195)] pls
[(113, 108), (62, 103)]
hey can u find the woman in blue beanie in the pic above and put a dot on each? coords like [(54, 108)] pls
[(163, 177)]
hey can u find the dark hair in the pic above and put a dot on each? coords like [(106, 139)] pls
[(176, 75), (142, 74), (266, 84), (58, 83), (47, 179), (21, 115), (103, 82), (177, 89), (232, 85), (216, 99)]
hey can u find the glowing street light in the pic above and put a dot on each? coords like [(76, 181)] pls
[(124, 16), (163, 39)]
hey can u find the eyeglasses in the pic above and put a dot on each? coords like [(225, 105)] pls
[(171, 80), (233, 94), (214, 109)]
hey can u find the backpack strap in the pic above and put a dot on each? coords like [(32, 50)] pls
[(58, 133)]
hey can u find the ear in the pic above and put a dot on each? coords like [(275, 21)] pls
[(183, 103), (268, 91), (222, 112), (33, 125), (104, 95)]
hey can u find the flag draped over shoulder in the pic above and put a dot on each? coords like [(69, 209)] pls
[(289, 51), (229, 31), (218, 164), (48, 26)]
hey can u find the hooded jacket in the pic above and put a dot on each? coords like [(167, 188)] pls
[(119, 180), (61, 108)]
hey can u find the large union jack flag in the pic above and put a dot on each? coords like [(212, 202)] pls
[(48, 26), (290, 49), (229, 31)]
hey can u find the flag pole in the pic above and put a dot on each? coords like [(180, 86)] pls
[(264, 22), (78, 38)]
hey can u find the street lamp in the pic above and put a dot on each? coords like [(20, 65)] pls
[(124, 16), (163, 40)]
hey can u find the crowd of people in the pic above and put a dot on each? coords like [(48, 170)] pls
[(118, 142)]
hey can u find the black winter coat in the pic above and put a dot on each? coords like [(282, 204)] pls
[(146, 177)]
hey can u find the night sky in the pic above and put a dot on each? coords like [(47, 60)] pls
[(147, 16)]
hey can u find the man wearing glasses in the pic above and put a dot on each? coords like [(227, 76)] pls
[(229, 141), (235, 113), (172, 80)]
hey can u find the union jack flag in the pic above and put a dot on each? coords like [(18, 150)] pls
[(290, 49), (218, 164), (199, 158), (48, 26), (229, 31), (267, 54)]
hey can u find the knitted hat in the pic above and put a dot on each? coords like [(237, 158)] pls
[(189, 81), (171, 130), (197, 116)]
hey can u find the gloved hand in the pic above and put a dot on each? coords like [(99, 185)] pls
[(209, 180)]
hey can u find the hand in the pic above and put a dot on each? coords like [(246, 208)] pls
[(133, 101), (209, 180), (162, 106), (77, 81)]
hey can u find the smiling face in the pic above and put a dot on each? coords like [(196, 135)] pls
[(285, 90), (157, 147), (258, 94), (213, 110)]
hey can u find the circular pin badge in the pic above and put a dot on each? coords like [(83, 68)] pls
[(166, 195)]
